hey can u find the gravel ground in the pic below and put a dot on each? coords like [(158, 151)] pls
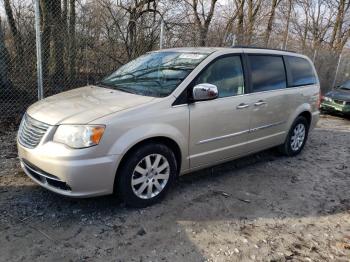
[(260, 208)]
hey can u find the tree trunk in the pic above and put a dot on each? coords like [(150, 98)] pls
[(17, 37), (338, 24), (339, 36), (5, 83), (286, 31), (268, 31), (65, 29), (240, 16), (252, 12), (250, 22), (132, 33), (203, 32), (58, 72), (306, 30), (135, 10), (72, 42), (45, 6), (65, 14), (204, 22)]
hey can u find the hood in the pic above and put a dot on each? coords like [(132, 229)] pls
[(339, 94), (83, 105)]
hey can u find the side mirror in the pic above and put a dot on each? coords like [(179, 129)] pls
[(204, 92)]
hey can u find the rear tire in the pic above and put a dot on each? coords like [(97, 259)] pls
[(296, 138), (146, 175)]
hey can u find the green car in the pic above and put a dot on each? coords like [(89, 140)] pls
[(337, 100)]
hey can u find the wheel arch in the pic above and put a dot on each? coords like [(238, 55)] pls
[(285, 147), (307, 115), (169, 142)]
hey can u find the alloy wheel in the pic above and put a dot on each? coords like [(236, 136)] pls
[(150, 176), (298, 137)]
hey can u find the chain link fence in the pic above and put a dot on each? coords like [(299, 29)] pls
[(82, 42)]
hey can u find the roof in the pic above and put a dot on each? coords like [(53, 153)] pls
[(262, 48), (209, 50), (206, 50)]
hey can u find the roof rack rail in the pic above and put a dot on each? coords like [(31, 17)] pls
[(263, 48)]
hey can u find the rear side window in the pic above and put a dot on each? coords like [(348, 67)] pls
[(268, 72), (301, 71)]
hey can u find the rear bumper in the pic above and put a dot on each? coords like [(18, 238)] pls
[(82, 177), (314, 119)]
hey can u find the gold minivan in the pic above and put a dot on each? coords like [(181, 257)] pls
[(165, 114)]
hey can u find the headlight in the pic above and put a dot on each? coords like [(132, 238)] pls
[(328, 99), (79, 136)]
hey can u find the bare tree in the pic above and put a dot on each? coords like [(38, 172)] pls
[(320, 15), (65, 28), (230, 25), (58, 71), (71, 41), (136, 11), (271, 17), (202, 18), (84, 40), (5, 83), (288, 16), (53, 42), (340, 35), (16, 34), (302, 23), (253, 9), (240, 21), (45, 7)]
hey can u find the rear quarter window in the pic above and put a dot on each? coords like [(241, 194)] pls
[(300, 71)]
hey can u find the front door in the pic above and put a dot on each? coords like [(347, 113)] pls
[(219, 128)]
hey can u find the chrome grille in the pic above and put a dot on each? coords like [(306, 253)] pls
[(31, 131)]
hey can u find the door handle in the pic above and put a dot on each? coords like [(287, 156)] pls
[(260, 103), (242, 106)]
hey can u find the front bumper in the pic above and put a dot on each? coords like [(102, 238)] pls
[(69, 172), (331, 106)]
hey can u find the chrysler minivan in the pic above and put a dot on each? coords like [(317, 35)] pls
[(168, 113)]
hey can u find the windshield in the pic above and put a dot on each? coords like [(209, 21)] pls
[(155, 74), (345, 85)]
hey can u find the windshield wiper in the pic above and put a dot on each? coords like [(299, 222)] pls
[(152, 70), (144, 71), (116, 87)]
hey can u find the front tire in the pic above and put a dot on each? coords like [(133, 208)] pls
[(146, 175), (296, 138)]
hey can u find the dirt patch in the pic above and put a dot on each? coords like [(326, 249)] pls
[(329, 122), (260, 208)]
